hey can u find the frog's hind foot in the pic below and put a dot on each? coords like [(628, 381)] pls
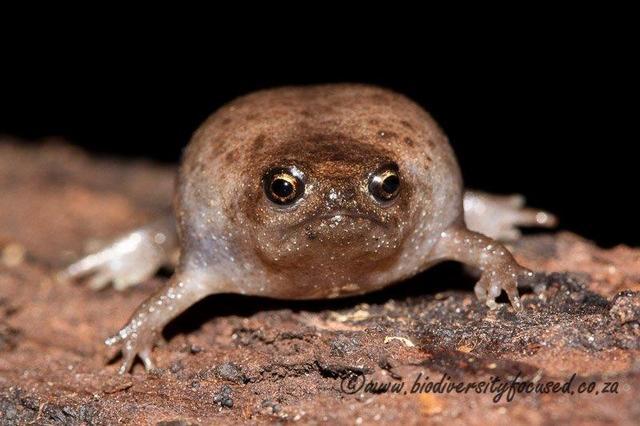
[(500, 216), (128, 260)]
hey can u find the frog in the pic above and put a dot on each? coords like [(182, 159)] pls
[(311, 192)]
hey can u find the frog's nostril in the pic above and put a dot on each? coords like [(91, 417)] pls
[(340, 195)]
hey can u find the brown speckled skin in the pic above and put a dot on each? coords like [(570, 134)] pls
[(337, 135), (335, 240)]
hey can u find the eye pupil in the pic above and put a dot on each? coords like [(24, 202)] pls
[(282, 188), (390, 184)]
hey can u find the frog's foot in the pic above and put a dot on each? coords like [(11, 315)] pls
[(128, 260), (125, 262), (503, 277), (134, 339), (500, 216), (499, 270), (143, 330)]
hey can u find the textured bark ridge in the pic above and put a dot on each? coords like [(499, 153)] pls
[(240, 359)]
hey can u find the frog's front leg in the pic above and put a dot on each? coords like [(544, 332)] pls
[(142, 331), (130, 258), (499, 270), (500, 216)]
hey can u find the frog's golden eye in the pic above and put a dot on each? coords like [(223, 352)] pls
[(283, 185), (384, 184)]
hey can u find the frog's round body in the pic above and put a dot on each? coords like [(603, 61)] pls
[(336, 239)]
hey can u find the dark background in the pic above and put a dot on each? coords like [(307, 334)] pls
[(552, 119)]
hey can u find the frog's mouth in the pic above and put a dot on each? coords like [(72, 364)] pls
[(344, 228), (344, 217), (334, 241)]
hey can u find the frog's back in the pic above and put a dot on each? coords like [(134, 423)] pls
[(266, 118)]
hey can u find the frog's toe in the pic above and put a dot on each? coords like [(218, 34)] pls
[(147, 360), (480, 289), (526, 216), (487, 291), (100, 280)]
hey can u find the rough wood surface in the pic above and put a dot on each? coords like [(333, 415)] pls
[(246, 360)]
